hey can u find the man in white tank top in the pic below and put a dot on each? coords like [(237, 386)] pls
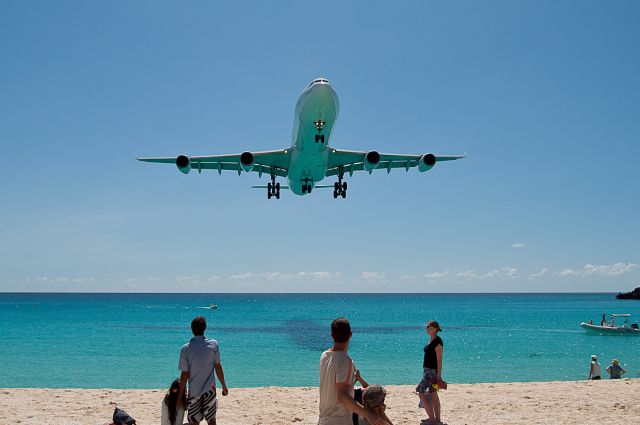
[(595, 372)]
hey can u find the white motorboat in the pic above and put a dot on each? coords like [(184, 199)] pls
[(213, 306), (611, 327)]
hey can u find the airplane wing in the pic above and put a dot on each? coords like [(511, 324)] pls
[(350, 161), (269, 162)]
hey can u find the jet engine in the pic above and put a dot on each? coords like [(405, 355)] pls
[(183, 163), (246, 161), (427, 161), (371, 160)]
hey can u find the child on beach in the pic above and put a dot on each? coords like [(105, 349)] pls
[(172, 414), (373, 400)]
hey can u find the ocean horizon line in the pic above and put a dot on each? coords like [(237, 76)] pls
[(315, 293)]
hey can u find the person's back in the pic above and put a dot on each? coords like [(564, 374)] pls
[(199, 355), (335, 366), (199, 364), (615, 370), (597, 371)]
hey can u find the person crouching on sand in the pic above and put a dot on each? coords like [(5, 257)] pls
[(373, 400), (172, 414), (427, 389)]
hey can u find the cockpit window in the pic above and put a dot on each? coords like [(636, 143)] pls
[(318, 80)]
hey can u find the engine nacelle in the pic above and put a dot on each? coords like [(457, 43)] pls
[(427, 161), (183, 163), (371, 160), (246, 161)]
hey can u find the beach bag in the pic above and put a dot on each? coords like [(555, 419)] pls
[(120, 417)]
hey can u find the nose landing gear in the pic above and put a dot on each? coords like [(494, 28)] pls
[(306, 187), (319, 125)]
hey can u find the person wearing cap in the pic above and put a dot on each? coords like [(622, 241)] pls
[(432, 373), (373, 400), (615, 370), (595, 372)]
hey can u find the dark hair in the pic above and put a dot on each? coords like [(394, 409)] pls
[(171, 400), (198, 325), (340, 330)]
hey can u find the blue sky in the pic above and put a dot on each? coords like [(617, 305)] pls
[(542, 95)]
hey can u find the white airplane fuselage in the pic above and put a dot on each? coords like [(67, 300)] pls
[(316, 113)]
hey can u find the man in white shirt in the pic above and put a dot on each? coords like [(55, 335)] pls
[(337, 377)]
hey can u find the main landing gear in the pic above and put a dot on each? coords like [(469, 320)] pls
[(340, 187), (273, 188), (319, 125), (306, 187)]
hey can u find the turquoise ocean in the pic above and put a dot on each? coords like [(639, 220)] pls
[(133, 340)]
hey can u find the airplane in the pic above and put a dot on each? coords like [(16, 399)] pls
[(309, 159)]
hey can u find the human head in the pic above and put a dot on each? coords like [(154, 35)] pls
[(615, 362), (175, 386), (433, 328), (594, 357), (373, 397), (198, 325), (341, 330)]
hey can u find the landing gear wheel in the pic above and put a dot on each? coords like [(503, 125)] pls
[(335, 194), (320, 138), (304, 188), (344, 186), (343, 194)]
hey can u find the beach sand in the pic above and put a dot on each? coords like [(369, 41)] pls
[(582, 402)]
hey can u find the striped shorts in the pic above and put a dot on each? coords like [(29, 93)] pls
[(204, 406)]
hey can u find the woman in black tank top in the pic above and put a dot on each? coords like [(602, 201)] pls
[(427, 389)]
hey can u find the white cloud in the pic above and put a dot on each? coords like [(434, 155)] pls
[(186, 278), (271, 276), (517, 245), (607, 270), (241, 276), (59, 279), (467, 274), (500, 273), (539, 273), (372, 275), (320, 275), (437, 275)]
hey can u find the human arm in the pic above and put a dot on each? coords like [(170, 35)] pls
[(439, 351), (220, 374), (590, 371), (184, 376), (360, 379)]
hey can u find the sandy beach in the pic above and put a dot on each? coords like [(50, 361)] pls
[(581, 402)]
